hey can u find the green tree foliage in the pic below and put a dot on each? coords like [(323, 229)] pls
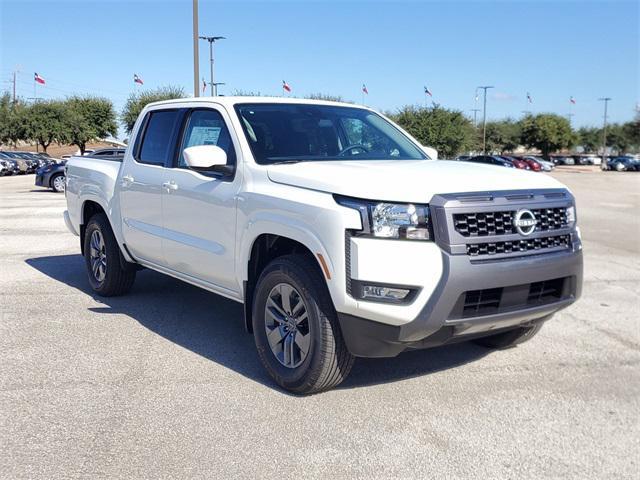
[(547, 132), (45, 122), (12, 120), (503, 136), (137, 101), (88, 119), (589, 138), (448, 131), (632, 132)]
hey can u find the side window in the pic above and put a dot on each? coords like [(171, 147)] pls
[(158, 136), (207, 127)]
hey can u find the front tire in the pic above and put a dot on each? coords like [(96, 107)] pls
[(295, 327), (108, 274), (510, 338)]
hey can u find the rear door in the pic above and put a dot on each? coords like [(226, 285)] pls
[(199, 209), (141, 184)]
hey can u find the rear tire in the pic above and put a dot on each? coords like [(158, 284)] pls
[(510, 338), (57, 183), (295, 327), (108, 273)]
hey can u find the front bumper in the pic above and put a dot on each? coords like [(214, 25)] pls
[(440, 322), (40, 181), (467, 285)]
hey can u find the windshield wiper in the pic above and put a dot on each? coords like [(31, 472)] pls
[(282, 162)]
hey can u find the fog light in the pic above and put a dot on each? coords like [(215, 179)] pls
[(384, 293)]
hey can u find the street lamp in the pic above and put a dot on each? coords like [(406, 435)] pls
[(212, 40), (484, 119), (603, 165)]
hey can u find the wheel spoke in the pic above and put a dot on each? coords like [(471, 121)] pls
[(271, 304), (288, 349), (285, 296), (275, 336), (298, 306), (301, 318), (303, 342)]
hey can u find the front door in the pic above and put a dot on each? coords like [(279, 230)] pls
[(199, 210), (141, 185)]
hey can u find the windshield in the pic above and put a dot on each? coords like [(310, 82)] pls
[(287, 133)]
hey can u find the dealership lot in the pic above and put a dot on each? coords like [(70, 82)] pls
[(165, 383)]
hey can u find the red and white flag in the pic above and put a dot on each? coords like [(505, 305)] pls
[(529, 99), (137, 79), (38, 79), (204, 85), (285, 86), (428, 92), (364, 89), (572, 100)]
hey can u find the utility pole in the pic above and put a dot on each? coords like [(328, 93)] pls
[(603, 165), (196, 53), (484, 119), (212, 40), (14, 87), (475, 116), (570, 117)]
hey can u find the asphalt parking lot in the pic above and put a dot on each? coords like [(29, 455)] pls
[(164, 383)]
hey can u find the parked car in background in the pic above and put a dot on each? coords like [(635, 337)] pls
[(491, 160), (24, 165), (533, 164), (562, 160), (11, 166), (623, 164), (52, 176), (5, 169), (463, 158), (516, 162), (544, 164)]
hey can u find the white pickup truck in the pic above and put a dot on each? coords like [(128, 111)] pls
[(332, 225)]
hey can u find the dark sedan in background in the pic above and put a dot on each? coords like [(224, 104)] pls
[(51, 176)]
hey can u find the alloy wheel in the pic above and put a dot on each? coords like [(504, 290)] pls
[(58, 183), (98, 256), (287, 325)]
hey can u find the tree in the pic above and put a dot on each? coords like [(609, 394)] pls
[(448, 131), (12, 120), (632, 132), (45, 122), (547, 132), (589, 138), (503, 136), (88, 119), (137, 101)]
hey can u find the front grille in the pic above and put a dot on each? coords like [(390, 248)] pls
[(492, 301), (484, 224), (525, 245)]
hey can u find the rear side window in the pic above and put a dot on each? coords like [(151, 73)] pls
[(157, 142)]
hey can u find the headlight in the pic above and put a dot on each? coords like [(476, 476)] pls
[(405, 221)]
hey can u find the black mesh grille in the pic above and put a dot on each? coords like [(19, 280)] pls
[(484, 224), (495, 248)]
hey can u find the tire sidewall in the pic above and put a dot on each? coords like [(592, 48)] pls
[(281, 272), (53, 184)]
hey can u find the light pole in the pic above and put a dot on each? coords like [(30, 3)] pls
[(215, 85), (475, 116), (603, 165), (212, 40), (196, 53), (484, 119)]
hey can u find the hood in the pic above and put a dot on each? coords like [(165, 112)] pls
[(413, 181)]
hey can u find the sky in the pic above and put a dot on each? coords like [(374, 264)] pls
[(551, 49)]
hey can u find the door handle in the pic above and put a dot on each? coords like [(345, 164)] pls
[(127, 180), (169, 186)]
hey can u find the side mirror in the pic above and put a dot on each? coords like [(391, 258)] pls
[(207, 158)]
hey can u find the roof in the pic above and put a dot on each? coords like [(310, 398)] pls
[(231, 101)]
